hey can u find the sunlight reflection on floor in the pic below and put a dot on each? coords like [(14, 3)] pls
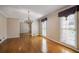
[(44, 45)]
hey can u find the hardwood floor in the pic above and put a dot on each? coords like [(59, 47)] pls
[(29, 44)]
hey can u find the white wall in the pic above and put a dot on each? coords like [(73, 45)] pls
[(53, 26), (35, 28), (13, 28), (24, 27), (3, 28)]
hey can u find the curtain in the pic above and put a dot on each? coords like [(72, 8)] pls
[(45, 19)]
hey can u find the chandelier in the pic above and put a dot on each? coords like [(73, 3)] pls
[(29, 21)]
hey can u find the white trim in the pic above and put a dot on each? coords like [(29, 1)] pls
[(63, 44)]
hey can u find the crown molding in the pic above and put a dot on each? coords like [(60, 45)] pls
[(1, 12)]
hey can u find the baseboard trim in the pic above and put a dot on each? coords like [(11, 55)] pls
[(14, 38), (3, 40), (60, 43)]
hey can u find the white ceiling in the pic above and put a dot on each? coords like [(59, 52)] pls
[(20, 11)]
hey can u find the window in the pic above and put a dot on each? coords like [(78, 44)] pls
[(68, 30), (44, 24), (44, 28), (68, 26)]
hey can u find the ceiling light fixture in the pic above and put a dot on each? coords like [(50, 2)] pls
[(29, 21)]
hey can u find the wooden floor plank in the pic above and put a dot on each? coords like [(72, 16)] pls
[(29, 44)]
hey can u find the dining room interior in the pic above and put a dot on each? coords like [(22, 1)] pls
[(39, 29)]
